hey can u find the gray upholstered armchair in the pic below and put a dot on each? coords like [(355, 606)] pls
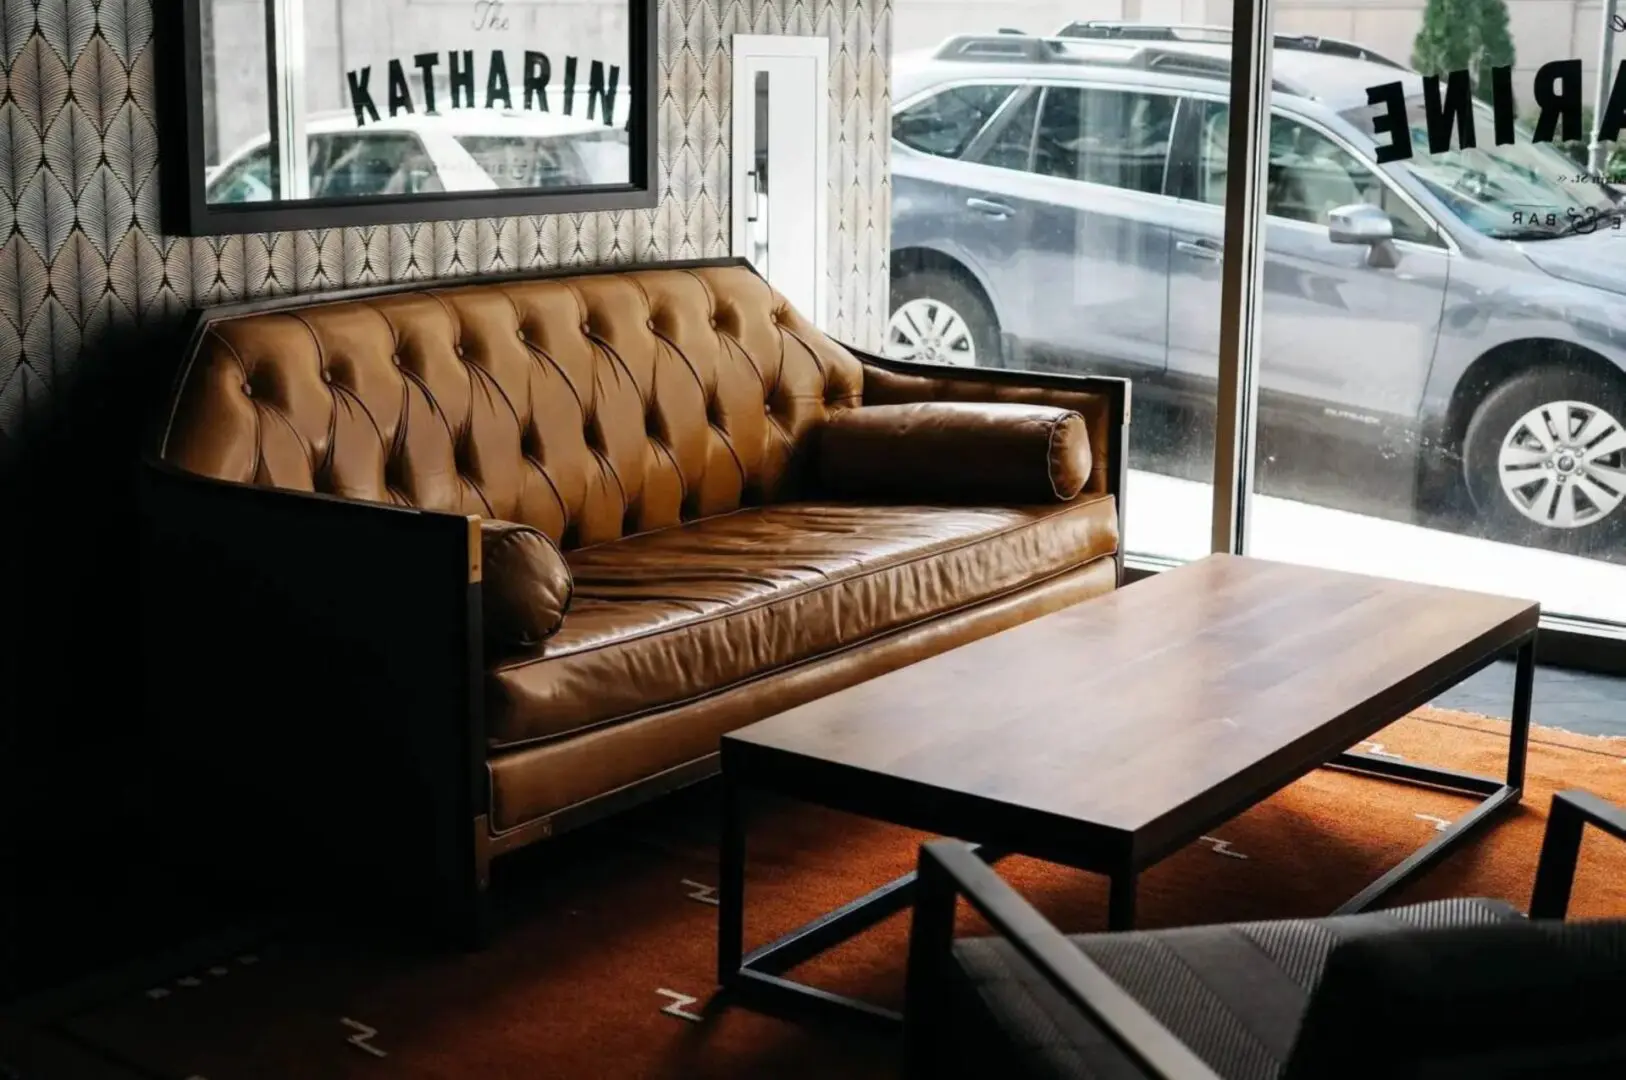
[(1454, 988)]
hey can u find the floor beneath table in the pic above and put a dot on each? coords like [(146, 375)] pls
[(604, 962), (1574, 701)]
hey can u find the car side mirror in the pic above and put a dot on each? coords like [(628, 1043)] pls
[(1367, 226)]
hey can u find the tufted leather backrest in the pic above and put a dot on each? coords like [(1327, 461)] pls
[(590, 407)]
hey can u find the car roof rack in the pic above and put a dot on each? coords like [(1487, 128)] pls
[(1132, 53), (1002, 46), (1174, 62), (1108, 30)]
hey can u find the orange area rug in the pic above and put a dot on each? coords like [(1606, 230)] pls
[(604, 965)]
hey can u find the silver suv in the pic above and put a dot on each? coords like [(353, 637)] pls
[(1058, 203)]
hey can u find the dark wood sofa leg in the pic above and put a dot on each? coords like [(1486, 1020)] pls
[(476, 929)]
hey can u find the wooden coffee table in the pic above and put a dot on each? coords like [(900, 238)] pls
[(1111, 734)]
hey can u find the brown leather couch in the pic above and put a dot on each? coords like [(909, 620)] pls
[(436, 572)]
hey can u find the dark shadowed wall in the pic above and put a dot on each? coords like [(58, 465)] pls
[(89, 292)]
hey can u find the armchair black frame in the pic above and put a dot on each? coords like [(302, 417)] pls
[(950, 869)]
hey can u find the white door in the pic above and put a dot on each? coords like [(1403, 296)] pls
[(781, 165)]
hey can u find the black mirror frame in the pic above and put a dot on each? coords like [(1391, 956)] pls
[(184, 209)]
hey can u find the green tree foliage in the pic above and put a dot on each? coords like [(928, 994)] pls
[(1460, 35)]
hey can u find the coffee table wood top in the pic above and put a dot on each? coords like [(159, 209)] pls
[(1139, 715)]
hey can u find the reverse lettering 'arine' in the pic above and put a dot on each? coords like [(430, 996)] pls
[(1557, 94)]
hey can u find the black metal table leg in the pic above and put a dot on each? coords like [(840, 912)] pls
[(1494, 795), (757, 977), (731, 886), (1524, 677)]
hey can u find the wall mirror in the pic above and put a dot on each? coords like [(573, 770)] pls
[(301, 114)]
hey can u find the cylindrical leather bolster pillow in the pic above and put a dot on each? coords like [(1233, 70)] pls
[(526, 585), (955, 452)]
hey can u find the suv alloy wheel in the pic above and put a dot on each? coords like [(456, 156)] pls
[(1545, 454), (936, 319)]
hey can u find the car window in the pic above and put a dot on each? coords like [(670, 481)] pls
[(1309, 176), (1012, 145), (530, 161), (1494, 187), (249, 180), (1105, 137), (944, 124), (349, 164)]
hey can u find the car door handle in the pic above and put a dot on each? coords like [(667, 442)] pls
[(1200, 249), (990, 207)]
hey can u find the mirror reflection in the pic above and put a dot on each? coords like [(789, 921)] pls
[(349, 99)]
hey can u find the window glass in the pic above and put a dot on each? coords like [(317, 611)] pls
[(1428, 410), (1309, 176), (369, 163), (1012, 147), (1518, 191), (1105, 137), (944, 124)]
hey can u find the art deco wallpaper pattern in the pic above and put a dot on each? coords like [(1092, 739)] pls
[(81, 255)]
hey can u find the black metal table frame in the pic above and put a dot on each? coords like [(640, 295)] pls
[(757, 978)]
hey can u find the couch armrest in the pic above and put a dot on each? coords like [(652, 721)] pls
[(1571, 813), (1103, 402), (949, 869), (955, 451), (317, 664)]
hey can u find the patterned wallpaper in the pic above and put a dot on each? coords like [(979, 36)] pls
[(82, 260)]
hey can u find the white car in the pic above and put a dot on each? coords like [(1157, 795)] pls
[(463, 150)]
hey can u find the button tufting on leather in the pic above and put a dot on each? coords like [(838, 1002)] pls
[(694, 403)]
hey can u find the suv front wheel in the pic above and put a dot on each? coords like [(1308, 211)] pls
[(937, 319), (1544, 458)]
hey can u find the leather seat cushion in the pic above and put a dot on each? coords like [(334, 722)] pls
[(665, 618)]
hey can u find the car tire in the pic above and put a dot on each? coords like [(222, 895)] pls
[(968, 331), (1529, 486)]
